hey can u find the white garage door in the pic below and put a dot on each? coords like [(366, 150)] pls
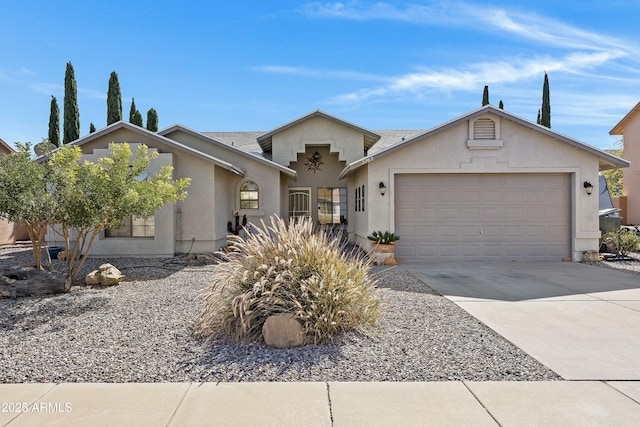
[(455, 217)]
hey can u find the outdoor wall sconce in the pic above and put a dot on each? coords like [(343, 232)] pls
[(588, 187), (382, 188)]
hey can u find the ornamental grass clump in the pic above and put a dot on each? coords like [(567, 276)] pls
[(288, 268)]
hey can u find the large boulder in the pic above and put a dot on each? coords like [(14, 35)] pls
[(105, 275), (283, 331), (25, 281)]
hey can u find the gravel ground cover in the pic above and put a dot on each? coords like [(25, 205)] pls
[(140, 331)]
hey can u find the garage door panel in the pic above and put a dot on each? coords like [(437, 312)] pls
[(482, 216)]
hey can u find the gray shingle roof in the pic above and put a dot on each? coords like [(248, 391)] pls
[(247, 141)]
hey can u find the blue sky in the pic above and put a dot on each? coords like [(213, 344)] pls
[(233, 66)]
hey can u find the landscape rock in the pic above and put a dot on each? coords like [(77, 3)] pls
[(105, 275), (282, 331), (92, 278), (26, 281), (109, 275)]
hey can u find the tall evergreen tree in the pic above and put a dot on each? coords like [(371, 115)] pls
[(485, 96), (132, 111), (114, 100), (538, 119), (54, 122), (137, 119), (152, 120), (71, 128), (92, 128), (545, 118)]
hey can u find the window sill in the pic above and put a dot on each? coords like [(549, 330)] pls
[(249, 212)]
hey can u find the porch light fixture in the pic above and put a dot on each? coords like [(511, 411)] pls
[(588, 187), (382, 188)]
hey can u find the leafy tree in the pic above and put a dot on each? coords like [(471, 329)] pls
[(132, 111), (54, 122), (614, 176), (24, 198), (114, 100), (92, 128), (152, 120), (71, 113), (545, 118), (90, 197), (485, 96)]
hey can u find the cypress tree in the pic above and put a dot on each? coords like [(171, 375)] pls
[(54, 122), (545, 118), (538, 119), (152, 120), (92, 128), (485, 96), (501, 105), (137, 119), (132, 111), (114, 100), (71, 128)]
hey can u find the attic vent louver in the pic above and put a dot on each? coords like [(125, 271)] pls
[(484, 129)]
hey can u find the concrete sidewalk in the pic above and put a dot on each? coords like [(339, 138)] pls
[(559, 403)]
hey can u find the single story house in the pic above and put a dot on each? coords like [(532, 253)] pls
[(487, 185), (629, 129)]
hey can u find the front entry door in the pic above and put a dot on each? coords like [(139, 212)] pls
[(299, 202)]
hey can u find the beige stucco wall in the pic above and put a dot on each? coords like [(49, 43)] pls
[(7, 232), (347, 142), (631, 175), (523, 151), (224, 198), (359, 223)]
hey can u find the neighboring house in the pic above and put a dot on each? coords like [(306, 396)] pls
[(7, 229), (10, 232), (629, 128), (485, 186)]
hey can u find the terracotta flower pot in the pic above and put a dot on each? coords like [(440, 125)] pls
[(384, 248)]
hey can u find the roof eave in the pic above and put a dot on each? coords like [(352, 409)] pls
[(618, 129), (178, 127), (122, 124)]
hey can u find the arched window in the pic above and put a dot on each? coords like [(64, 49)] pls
[(249, 195)]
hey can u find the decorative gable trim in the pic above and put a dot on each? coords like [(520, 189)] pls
[(484, 134)]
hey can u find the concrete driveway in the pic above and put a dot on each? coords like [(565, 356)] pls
[(581, 321)]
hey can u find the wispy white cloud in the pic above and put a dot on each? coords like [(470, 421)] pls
[(467, 15), (477, 75), (572, 50)]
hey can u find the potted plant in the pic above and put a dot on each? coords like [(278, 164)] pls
[(383, 242)]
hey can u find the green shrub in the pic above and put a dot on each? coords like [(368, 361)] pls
[(288, 268), (621, 242), (385, 238)]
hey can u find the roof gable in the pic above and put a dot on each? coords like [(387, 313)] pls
[(154, 136), (224, 145), (607, 161), (5, 147), (265, 140), (619, 128)]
